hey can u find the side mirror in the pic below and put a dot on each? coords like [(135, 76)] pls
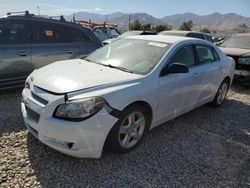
[(175, 68)]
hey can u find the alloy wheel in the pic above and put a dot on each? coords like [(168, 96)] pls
[(132, 129), (222, 93)]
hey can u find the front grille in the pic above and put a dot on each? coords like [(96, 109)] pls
[(32, 114), (39, 99)]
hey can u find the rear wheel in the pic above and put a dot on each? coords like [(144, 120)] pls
[(129, 130), (221, 94)]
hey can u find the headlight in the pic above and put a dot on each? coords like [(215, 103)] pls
[(79, 109), (244, 60)]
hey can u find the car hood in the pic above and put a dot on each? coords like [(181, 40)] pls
[(236, 51), (73, 75)]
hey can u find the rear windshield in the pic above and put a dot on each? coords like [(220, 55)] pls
[(173, 34), (237, 41)]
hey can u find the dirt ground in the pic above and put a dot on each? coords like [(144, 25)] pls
[(203, 148)]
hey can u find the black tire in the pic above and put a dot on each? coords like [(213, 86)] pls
[(113, 140), (217, 102)]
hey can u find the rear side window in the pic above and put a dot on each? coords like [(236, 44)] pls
[(49, 33), (14, 32), (76, 35), (205, 54), (209, 38), (184, 55), (195, 35)]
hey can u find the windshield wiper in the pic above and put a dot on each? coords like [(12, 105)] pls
[(110, 66), (90, 60), (84, 57), (119, 68)]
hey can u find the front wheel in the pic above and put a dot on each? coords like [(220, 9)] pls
[(129, 130), (221, 94)]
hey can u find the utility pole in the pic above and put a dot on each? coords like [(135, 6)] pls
[(106, 18), (38, 10), (129, 18)]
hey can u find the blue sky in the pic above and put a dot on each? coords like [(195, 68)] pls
[(157, 8)]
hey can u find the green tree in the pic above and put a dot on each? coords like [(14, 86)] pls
[(205, 30), (136, 25), (146, 27), (186, 26), (160, 28)]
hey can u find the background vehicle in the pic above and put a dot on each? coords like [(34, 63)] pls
[(192, 34), (218, 40), (128, 94), (28, 42), (104, 33), (129, 34), (238, 47)]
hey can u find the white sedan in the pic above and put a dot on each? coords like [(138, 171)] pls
[(122, 90)]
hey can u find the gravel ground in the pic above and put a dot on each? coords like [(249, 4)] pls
[(203, 148)]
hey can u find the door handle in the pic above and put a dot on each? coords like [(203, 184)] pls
[(22, 54), (70, 51), (196, 74)]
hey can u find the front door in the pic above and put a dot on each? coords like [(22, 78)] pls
[(15, 52), (175, 90)]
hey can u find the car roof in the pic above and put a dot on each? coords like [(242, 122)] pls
[(183, 32), (38, 18), (243, 34), (163, 38)]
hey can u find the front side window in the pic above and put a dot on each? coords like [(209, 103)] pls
[(114, 33), (137, 56), (205, 54), (101, 30), (13, 32), (185, 56), (216, 56)]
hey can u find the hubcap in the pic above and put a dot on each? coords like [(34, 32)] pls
[(222, 93), (132, 129)]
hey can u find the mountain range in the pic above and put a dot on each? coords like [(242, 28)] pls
[(213, 21)]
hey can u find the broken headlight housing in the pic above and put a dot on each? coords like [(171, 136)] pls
[(244, 60), (79, 109)]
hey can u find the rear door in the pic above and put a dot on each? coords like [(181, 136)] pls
[(208, 72), (15, 52), (50, 43)]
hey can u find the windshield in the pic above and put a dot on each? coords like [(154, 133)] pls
[(237, 41), (131, 55)]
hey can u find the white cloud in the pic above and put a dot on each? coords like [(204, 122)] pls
[(54, 9), (99, 9)]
